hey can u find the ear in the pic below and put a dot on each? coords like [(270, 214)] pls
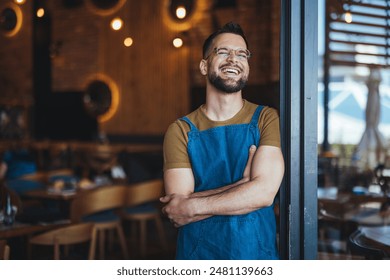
[(203, 67)]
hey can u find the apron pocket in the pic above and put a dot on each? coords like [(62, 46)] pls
[(228, 237)]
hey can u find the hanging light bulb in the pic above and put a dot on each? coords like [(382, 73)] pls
[(181, 12), (116, 23), (20, 2), (348, 17), (40, 12), (128, 42), (177, 42)]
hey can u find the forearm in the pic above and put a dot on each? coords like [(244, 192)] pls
[(218, 190), (241, 199), (213, 192), (257, 192)]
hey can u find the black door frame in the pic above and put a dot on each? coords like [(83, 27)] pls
[(298, 114)]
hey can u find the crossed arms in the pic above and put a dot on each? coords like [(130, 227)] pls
[(257, 189)]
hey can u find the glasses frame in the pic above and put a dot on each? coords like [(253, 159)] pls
[(234, 51)]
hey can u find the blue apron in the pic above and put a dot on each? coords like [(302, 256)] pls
[(218, 157)]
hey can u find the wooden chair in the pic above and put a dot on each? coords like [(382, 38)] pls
[(98, 206), (4, 250), (68, 235), (333, 230), (139, 209), (360, 245)]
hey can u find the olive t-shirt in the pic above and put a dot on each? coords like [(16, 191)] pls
[(175, 140)]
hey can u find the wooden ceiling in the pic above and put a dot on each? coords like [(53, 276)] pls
[(358, 32)]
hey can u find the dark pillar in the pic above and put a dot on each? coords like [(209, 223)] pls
[(298, 112), (41, 69)]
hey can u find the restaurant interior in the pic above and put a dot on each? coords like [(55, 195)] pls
[(89, 87)]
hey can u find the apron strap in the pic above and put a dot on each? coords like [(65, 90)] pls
[(254, 120), (187, 120), (256, 115)]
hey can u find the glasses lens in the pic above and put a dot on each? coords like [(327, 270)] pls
[(242, 54), (222, 51), (239, 53)]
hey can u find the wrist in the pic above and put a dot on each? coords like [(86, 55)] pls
[(193, 208)]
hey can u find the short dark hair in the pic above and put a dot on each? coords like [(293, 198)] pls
[(230, 27)]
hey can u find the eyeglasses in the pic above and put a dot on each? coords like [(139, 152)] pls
[(241, 54)]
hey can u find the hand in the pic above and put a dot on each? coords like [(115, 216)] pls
[(177, 209)]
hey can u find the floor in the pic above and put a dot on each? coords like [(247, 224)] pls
[(330, 248)]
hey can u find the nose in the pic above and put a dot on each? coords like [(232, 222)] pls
[(232, 56)]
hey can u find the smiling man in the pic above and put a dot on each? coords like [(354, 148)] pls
[(223, 164)]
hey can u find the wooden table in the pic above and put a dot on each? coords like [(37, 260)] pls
[(366, 216), (345, 212), (349, 207), (22, 229), (45, 194), (62, 199)]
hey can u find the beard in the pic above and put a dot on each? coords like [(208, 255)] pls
[(229, 85)]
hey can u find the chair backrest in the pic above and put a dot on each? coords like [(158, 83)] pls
[(143, 192), (4, 250), (97, 200), (68, 235), (358, 245)]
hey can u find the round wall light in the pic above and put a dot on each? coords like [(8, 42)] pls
[(104, 7), (11, 19), (101, 97), (180, 9), (181, 15)]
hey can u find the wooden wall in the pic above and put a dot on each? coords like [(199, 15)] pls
[(16, 60), (151, 75), (154, 78), (16, 82)]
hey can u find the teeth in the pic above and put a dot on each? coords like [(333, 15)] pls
[(230, 70)]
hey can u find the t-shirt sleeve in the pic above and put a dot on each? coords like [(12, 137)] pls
[(175, 147), (269, 127)]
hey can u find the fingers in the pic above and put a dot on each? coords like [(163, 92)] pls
[(247, 170), (164, 211), (252, 150), (165, 199), (171, 219)]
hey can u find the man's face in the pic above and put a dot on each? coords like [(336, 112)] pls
[(227, 65)]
